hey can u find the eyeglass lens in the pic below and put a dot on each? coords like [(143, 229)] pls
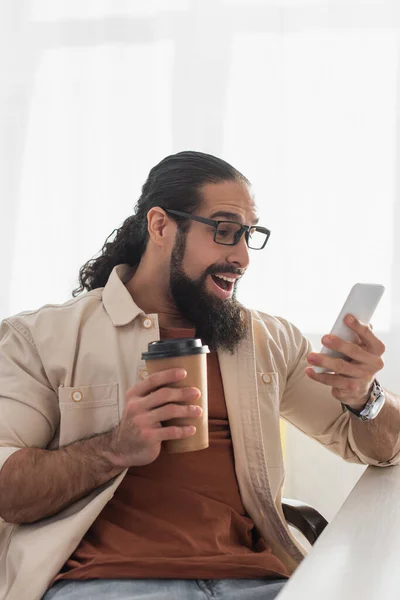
[(227, 233)]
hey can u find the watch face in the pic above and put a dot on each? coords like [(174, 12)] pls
[(377, 389), (373, 410)]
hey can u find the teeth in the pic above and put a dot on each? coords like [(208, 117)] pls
[(230, 279)]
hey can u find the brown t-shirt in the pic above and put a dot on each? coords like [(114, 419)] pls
[(180, 516)]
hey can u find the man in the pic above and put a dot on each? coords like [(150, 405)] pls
[(92, 505)]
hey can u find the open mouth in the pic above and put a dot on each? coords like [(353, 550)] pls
[(223, 283)]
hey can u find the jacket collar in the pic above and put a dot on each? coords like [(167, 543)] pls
[(117, 301)]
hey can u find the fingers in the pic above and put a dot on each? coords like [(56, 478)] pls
[(349, 349), (167, 396), (364, 363), (345, 389), (174, 411), (173, 433), (347, 384), (374, 344), (156, 381)]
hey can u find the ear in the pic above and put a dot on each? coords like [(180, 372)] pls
[(160, 227)]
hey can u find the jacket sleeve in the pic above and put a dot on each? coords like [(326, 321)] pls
[(310, 406), (29, 413)]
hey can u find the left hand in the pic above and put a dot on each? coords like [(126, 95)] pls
[(350, 381)]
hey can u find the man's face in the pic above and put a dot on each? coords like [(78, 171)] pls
[(197, 262)]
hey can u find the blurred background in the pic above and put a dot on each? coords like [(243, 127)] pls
[(301, 96)]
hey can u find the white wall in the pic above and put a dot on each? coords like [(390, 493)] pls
[(302, 96)]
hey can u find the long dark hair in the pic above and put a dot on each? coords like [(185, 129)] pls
[(174, 183)]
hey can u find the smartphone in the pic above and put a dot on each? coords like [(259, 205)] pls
[(361, 302)]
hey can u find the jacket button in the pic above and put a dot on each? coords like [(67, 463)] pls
[(266, 378), (147, 323), (76, 396)]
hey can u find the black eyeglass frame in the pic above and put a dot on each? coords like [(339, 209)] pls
[(244, 229)]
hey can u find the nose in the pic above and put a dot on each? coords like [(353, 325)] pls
[(239, 254)]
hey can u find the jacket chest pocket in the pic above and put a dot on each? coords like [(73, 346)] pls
[(86, 411)]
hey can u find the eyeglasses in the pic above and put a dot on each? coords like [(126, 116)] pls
[(229, 233)]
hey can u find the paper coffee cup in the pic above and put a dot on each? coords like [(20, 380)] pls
[(191, 355)]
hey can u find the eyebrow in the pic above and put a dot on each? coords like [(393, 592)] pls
[(231, 216)]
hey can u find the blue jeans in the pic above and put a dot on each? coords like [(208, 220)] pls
[(166, 589)]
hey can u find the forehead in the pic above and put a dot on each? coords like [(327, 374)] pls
[(229, 196)]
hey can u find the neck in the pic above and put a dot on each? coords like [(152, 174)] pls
[(149, 287)]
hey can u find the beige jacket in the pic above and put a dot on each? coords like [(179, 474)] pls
[(64, 371)]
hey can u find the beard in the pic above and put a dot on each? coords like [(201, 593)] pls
[(219, 323)]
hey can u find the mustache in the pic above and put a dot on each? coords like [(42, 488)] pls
[(214, 269)]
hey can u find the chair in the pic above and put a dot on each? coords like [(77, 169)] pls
[(305, 518)]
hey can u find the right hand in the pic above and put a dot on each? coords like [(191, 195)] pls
[(137, 439)]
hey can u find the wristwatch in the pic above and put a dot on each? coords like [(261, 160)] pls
[(376, 400)]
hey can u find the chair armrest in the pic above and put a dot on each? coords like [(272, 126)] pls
[(304, 518)]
